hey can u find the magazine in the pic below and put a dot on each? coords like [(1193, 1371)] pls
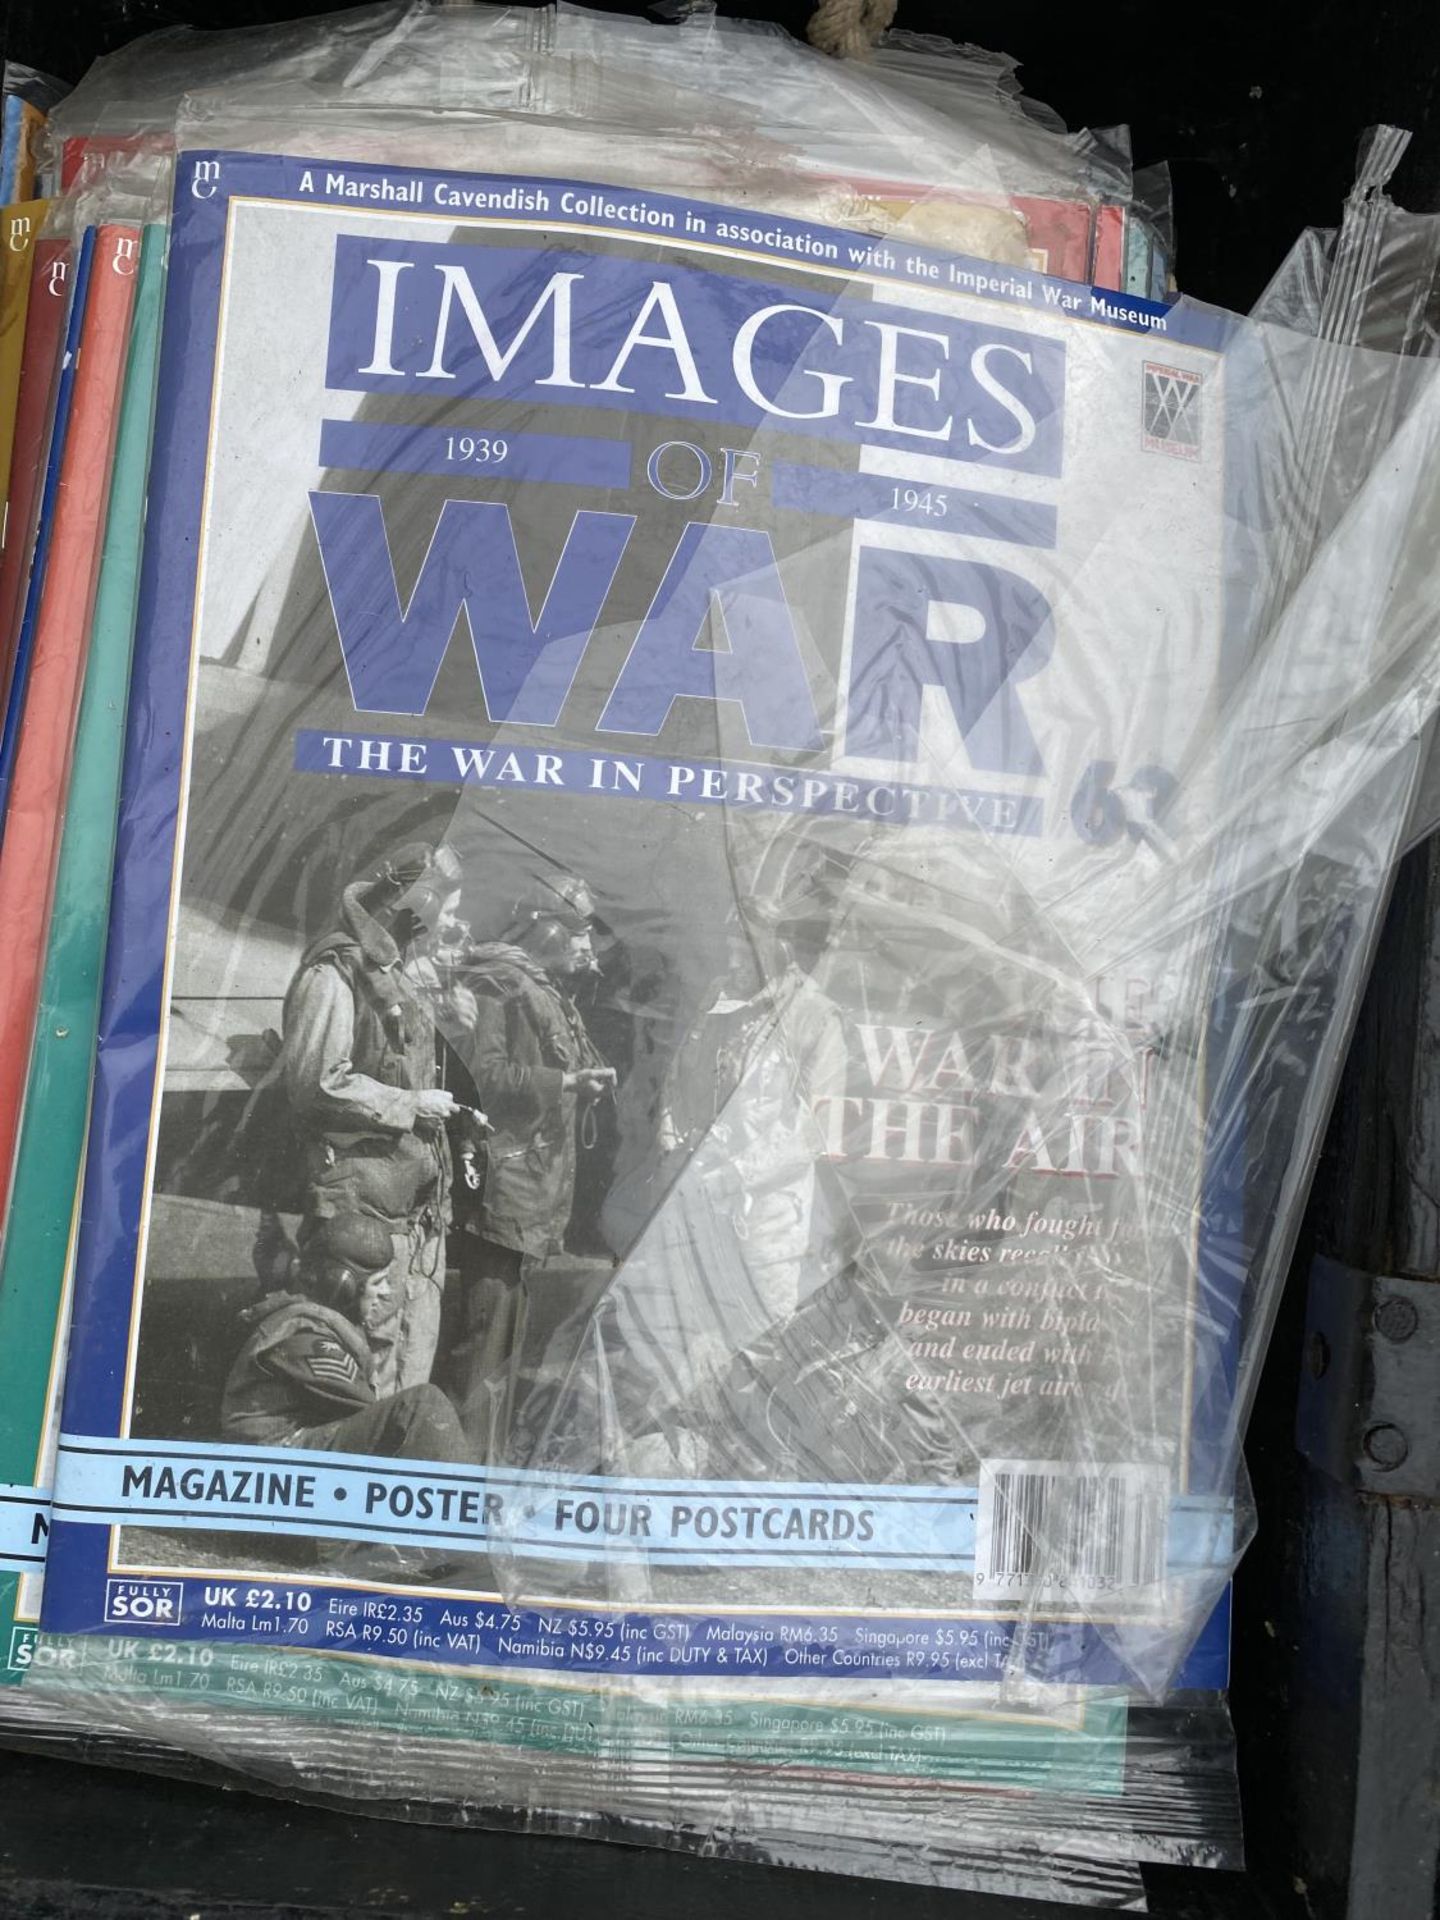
[(639, 1123)]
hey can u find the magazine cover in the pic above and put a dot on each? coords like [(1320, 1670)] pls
[(629, 1130)]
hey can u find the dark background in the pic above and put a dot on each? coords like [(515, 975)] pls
[(1258, 108)]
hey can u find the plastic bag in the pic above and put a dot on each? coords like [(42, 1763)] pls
[(1051, 1811), (950, 1003), (1372, 281)]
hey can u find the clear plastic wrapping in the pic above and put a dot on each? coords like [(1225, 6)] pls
[(130, 97), (1028, 1818), (1017, 188), (748, 845), (1374, 281)]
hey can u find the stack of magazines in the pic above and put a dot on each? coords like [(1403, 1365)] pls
[(694, 799)]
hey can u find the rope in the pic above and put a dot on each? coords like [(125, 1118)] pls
[(849, 28)]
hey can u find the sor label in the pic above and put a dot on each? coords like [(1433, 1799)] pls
[(144, 1602), (22, 1649)]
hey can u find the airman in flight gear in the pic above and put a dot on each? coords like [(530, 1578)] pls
[(306, 1375), (359, 1061), (539, 1074)]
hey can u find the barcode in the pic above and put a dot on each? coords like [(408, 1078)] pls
[(1046, 1530)]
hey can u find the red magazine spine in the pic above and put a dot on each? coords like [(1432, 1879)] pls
[(44, 337), (1059, 232), (84, 157), (1110, 248), (37, 795)]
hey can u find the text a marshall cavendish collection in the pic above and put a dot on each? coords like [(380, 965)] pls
[(638, 213)]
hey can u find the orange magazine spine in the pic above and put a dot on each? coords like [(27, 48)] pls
[(32, 125), (37, 794), (44, 338)]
